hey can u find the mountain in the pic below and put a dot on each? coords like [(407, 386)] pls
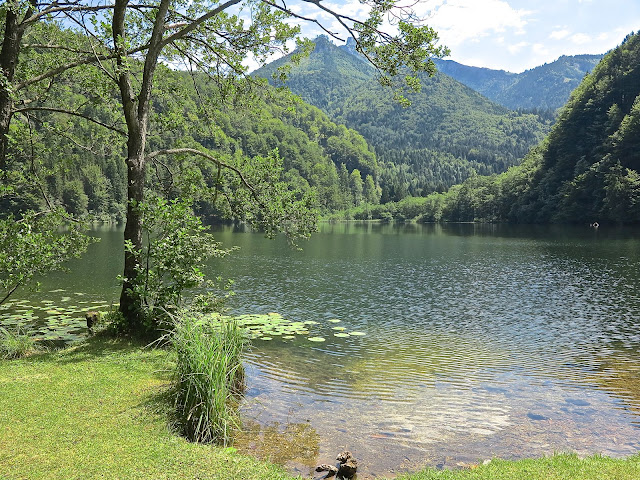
[(545, 87), (449, 133), (81, 163), (589, 166), (587, 170)]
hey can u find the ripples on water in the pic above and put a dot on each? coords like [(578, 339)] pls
[(476, 346), (480, 342)]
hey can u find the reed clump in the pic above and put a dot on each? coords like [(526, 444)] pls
[(209, 376), (16, 343)]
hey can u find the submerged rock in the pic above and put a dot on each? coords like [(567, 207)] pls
[(330, 469), (348, 468), (343, 456)]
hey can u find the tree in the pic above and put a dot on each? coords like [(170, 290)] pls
[(214, 38), (371, 191), (32, 246), (357, 186), (211, 37)]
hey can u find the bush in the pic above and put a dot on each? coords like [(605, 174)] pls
[(16, 344), (209, 376)]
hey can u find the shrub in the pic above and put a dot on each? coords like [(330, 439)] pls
[(209, 375), (16, 344)]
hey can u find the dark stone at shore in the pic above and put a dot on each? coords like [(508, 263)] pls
[(343, 456), (330, 469), (348, 468)]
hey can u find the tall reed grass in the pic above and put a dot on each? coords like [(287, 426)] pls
[(209, 376), (16, 343)]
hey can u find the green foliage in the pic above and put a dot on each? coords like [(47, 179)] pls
[(546, 87), (16, 343), (34, 245), (448, 133), (171, 270), (586, 170), (209, 375)]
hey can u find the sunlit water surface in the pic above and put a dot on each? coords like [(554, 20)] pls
[(480, 341)]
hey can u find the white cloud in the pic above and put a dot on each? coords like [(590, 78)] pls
[(459, 21), (580, 38), (559, 34), (540, 49), (513, 49)]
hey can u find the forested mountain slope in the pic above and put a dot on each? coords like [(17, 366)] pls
[(587, 170), (449, 133), (80, 164), (545, 87), (589, 165)]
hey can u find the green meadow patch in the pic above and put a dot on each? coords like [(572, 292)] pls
[(102, 409)]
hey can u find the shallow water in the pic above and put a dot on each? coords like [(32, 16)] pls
[(480, 341)]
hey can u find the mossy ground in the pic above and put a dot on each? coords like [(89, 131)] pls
[(99, 410)]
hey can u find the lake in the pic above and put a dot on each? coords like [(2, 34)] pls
[(479, 341)]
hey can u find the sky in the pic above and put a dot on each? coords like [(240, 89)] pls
[(512, 35)]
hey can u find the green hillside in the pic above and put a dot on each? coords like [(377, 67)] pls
[(586, 171), (80, 165), (449, 133), (546, 87)]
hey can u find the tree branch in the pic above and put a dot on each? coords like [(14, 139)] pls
[(197, 22), (83, 61), (178, 151), (76, 114)]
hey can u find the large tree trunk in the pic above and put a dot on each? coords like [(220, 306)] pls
[(8, 62), (136, 171), (136, 112)]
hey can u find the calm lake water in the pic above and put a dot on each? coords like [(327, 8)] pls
[(480, 341)]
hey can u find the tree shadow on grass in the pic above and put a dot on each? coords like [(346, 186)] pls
[(98, 347)]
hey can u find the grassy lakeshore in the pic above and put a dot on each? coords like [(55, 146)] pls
[(97, 410)]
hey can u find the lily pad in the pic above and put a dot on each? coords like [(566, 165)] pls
[(334, 320), (316, 339), (339, 328), (341, 335), (357, 334)]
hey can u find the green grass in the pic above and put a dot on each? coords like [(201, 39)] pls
[(209, 375), (558, 467), (16, 343), (100, 410)]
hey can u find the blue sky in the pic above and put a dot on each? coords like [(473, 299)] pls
[(517, 35)]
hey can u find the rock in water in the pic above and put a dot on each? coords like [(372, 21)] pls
[(343, 456), (327, 468), (348, 468)]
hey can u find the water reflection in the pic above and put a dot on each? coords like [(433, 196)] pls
[(480, 341)]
